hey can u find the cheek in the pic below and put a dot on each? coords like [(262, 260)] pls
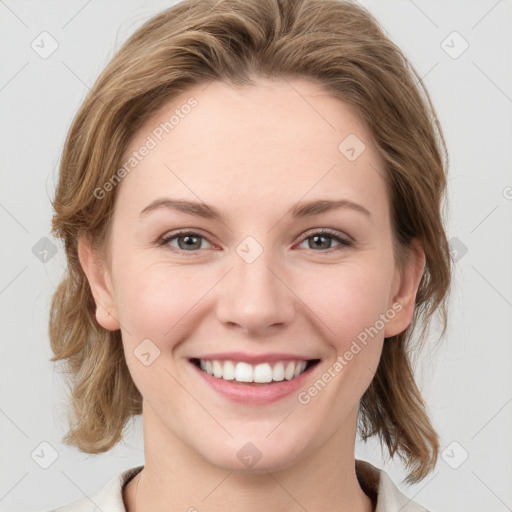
[(350, 303), (348, 300), (156, 302)]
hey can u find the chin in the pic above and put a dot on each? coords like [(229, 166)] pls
[(256, 456)]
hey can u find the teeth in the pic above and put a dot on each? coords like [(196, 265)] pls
[(263, 373), (228, 372), (243, 372), (290, 371), (217, 369), (299, 368), (260, 373), (278, 372)]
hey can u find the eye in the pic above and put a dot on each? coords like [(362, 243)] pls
[(187, 241), (323, 240)]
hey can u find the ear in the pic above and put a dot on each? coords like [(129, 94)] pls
[(404, 289), (100, 282)]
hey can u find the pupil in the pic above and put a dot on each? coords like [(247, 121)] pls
[(319, 237), (189, 240)]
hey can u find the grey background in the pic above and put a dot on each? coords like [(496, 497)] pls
[(467, 380)]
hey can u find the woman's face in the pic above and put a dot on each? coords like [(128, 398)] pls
[(240, 273)]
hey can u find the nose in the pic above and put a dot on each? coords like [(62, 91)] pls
[(255, 297)]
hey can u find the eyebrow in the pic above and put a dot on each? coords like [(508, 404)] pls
[(300, 210)]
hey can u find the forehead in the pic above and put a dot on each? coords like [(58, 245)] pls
[(275, 140)]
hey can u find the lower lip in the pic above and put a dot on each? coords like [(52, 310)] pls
[(254, 394)]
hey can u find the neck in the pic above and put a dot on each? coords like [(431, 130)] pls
[(176, 478)]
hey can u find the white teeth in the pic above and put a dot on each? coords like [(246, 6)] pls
[(229, 371), (299, 368), (243, 372), (260, 373), (290, 370), (278, 372), (217, 369)]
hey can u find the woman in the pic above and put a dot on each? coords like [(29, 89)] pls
[(250, 200)]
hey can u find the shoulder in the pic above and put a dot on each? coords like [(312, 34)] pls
[(386, 496), (107, 499)]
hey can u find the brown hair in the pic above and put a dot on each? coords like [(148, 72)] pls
[(340, 45)]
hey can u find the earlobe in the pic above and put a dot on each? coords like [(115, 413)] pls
[(99, 281), (406, 286)]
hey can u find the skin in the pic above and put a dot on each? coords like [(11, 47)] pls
[(252, 153)]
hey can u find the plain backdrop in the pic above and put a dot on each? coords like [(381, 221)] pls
[(463, 52)]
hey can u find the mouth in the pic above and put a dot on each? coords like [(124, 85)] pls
[(261, 374)]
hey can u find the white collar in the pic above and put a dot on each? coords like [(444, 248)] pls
[(374, 481)]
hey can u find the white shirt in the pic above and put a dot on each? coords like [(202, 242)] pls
[(374, 482)]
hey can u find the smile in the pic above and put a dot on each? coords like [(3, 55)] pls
[(254, 379), (259, 373)]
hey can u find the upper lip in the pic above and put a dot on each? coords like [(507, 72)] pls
[(247, 357)]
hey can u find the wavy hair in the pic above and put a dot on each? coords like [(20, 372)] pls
[(339, 44)]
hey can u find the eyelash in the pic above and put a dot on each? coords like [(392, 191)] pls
[(344, 242)]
